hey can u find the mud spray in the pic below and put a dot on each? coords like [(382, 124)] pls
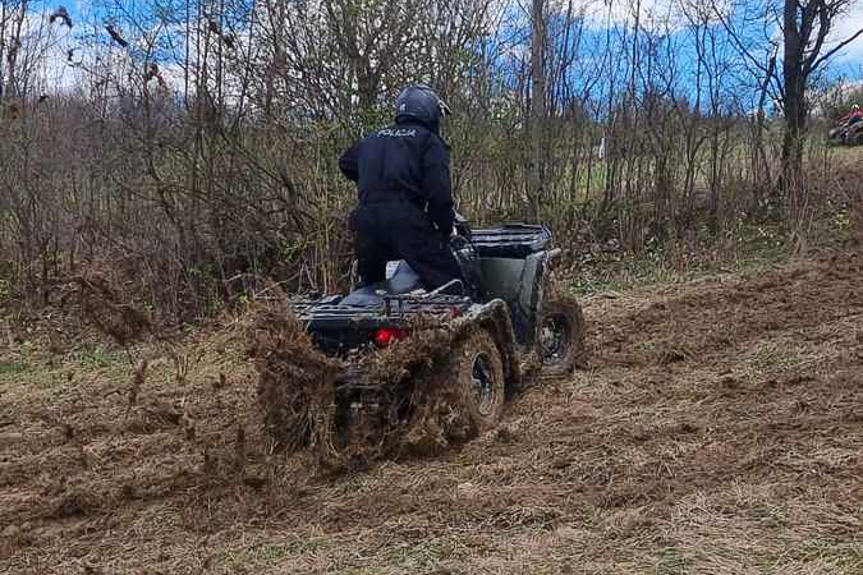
[(296, 383), (423, 401), (416, 409), (102, 300)]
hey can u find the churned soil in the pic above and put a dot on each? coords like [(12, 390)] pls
[(718, 429)]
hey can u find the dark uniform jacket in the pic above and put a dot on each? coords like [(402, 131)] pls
[(404, 162)]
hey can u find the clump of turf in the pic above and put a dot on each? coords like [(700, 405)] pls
[(104, 302), (425, 400), (296, 387)]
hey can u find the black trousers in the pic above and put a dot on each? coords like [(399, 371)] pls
[(400, 230)]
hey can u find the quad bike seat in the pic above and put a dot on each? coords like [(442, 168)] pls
[(401, 279)]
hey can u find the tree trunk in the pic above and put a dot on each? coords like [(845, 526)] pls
[(537, 109), (794, 101), (761, 166)]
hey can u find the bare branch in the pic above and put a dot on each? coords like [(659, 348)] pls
[(836, 49)]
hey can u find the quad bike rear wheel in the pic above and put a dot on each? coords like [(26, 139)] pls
[(462, 396), (561, 336), (477, 370)]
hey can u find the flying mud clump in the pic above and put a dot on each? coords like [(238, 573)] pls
[(103, 302), (423, 406), (295, 381)]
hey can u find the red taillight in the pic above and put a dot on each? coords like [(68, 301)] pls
[(386, 335)]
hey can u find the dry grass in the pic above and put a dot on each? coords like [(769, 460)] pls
[(719, 430)]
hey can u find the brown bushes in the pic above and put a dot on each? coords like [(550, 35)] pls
[(195, 189)]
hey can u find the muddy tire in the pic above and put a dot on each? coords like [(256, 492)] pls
[(561, 336), (477, 368), (461, 398), (480, 370)]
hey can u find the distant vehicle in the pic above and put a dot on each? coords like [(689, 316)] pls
[(849, 128)]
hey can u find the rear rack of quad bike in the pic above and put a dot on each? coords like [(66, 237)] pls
[(393, 309)]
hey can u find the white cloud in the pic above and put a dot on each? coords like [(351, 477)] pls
[(42, 59), (847, 25)]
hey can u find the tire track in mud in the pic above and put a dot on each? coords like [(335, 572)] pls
[(711, 317)]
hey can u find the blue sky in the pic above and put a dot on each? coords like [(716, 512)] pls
[(848, 64)]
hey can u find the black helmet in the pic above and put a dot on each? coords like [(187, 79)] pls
[(420, 103)]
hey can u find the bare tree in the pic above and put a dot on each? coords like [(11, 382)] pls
[(537, 105), (198, 144), (806, 27)]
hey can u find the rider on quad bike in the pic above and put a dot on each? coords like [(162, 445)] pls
[(849, 128), (405, 209), (445, 326)]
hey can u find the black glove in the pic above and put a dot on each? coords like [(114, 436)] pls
[(462, 226)]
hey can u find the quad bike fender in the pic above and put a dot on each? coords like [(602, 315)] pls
[(530, 295), (519, 282), (495, 318)]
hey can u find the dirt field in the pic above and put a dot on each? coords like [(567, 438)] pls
[(720, 430)]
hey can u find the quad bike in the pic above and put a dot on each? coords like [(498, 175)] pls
[(854, 134), (848, 129), (475, 341)]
